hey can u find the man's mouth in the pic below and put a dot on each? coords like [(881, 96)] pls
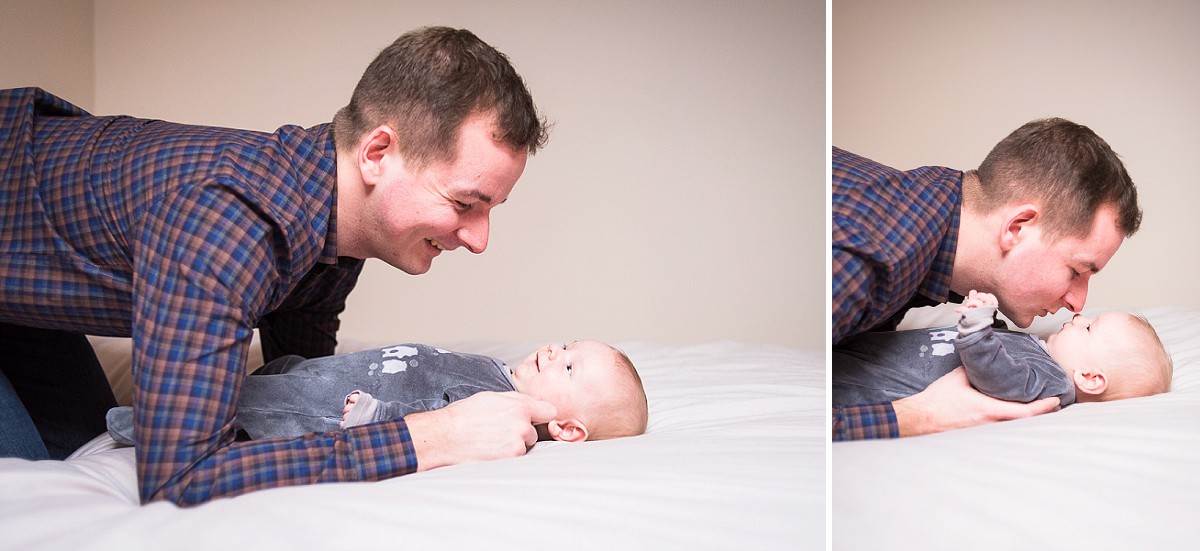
[(437, 245)]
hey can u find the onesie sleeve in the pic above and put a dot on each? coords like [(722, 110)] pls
[(1021, 375)]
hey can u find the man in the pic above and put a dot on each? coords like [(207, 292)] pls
[(1045, 211), (187, 238)]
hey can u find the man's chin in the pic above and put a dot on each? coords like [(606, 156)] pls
[(412, 268), (1022, 320)]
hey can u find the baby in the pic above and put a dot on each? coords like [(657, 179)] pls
[(595, 388), (1112, 356)]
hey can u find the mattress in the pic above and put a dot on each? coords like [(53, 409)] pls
[(734, 456), (1114, 475)]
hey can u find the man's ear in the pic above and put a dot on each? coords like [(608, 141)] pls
[(1018, 222), (373, 153), (567, 430), (1091, 380)]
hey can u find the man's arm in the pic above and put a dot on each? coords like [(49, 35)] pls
[(485, 426), (192, 326), (949, 403), (952, 403), (851, 300)]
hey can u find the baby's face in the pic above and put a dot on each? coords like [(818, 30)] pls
[(1091, 341), (566, 375)]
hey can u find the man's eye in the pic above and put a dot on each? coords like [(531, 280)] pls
[(461, 205)]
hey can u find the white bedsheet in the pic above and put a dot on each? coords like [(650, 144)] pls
[(734, 457), (1116, 475)]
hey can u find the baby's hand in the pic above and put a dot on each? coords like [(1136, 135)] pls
[(986, 299), (976, 299)]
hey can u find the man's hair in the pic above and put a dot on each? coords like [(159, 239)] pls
[(1066, 168), (625, 408), (1145, 365), (427, 83)]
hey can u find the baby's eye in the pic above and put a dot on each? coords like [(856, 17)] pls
[(568, 368)]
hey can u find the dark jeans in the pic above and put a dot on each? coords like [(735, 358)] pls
[(53, 392)]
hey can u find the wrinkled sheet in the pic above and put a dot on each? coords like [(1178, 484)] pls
[(734, 457), (1114, 475)]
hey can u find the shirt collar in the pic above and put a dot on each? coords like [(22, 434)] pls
[(327, 165)]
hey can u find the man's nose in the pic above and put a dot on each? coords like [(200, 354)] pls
[(474, 235), (1076, 297)]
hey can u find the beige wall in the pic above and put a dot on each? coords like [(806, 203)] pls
[(681, 198), (941, 81), (48, 44)]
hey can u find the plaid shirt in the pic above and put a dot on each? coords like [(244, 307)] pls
[(185, 238), (894, 238), (865, 422)]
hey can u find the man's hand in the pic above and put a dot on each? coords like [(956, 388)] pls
[(952, 403), (488, 425)]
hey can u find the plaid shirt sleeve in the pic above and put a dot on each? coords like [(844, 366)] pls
[(195, 312), (894, 237), (183, 237), (865, 422)]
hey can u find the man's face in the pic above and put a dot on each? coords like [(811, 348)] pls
[(1036, 278), (413, 215)]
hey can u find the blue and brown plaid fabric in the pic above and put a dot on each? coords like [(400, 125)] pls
[(894, 236), (185, 238), (865, 422)]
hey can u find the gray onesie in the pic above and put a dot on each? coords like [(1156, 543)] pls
[(292, 396), (888, 365)]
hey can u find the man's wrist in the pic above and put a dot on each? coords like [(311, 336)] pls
[(911, 418), (423, 427)]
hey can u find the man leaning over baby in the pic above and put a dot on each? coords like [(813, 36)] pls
[(1044, 212)]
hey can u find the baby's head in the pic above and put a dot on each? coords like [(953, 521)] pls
[(597, 391), (1112, 356)]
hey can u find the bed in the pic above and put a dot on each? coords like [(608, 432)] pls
[(1116, 475), (734, 457)]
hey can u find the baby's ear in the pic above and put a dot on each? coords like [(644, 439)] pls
[(567, 430), (1091, 380)]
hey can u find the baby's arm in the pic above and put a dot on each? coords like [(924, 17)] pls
[(991, 367), (360, 408), (978, 312)]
